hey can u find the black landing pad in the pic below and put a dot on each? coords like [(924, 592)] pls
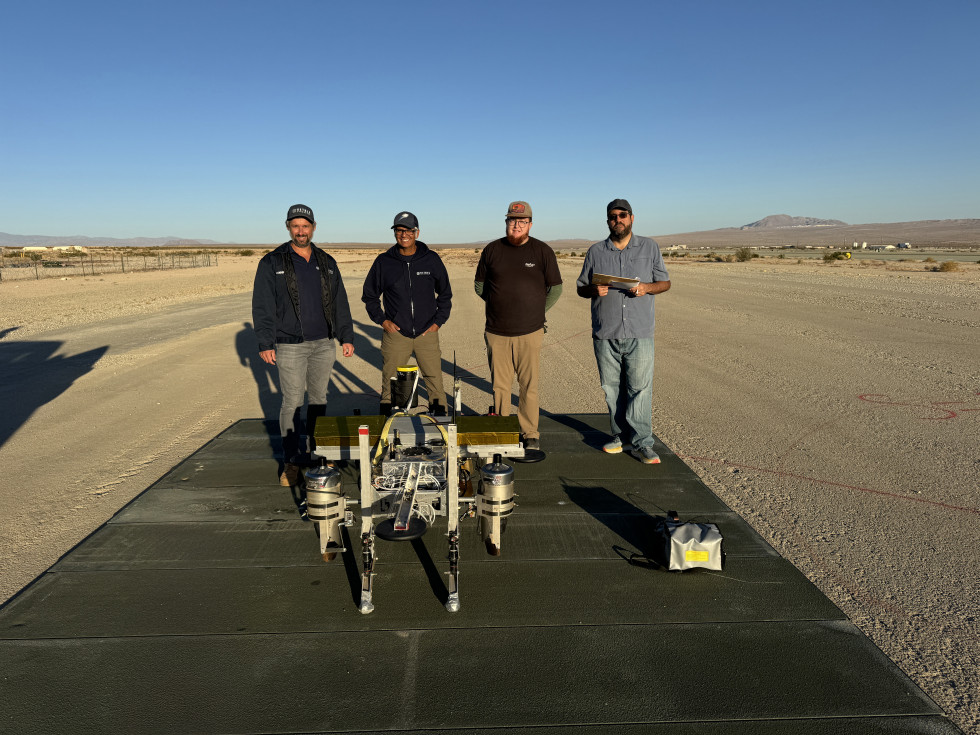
[(203, 606)]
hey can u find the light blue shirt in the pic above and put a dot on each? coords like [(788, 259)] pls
[(619, 315)]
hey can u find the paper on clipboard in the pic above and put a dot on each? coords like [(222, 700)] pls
[(623, 284)]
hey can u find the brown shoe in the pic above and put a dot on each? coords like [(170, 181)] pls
[(290, 475)]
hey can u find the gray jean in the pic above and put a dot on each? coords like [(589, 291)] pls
[(304, 375), (626, 375)]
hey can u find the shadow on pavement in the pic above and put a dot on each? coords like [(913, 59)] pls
[(34, 375)]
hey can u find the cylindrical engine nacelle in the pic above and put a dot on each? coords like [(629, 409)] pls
[(495, 501), (326, 506)]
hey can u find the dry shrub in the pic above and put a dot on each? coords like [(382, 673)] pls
[(948, 266)]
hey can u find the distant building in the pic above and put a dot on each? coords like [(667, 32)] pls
[(33, 249), (904, 246), (71, 248)]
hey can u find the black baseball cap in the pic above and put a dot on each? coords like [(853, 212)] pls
[(619, 204), (300, 210), (407, 220)]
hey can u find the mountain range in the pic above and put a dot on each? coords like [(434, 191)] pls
[(784, 220), (773, 231)]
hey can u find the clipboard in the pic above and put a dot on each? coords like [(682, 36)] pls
[(623, 284)]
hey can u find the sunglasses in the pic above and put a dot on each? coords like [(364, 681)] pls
[(622, 215)]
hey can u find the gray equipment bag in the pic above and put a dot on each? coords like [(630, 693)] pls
[(690, 545)]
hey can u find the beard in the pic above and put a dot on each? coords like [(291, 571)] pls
[(620, 231), (518, 238)]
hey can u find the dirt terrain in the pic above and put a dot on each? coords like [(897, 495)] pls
[(834, 406)]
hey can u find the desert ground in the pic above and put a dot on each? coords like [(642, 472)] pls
[(836, 407)]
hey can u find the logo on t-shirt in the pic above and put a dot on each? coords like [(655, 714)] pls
[(423, 273), (529, 265)]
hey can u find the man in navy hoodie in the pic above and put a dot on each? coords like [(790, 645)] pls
[(414, 286), (299, 307)]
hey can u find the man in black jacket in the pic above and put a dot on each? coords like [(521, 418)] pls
[(414, 284), (299, 307)]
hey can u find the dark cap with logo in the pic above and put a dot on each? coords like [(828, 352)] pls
[(519, 210), (300, 210), (619, 204), (407, 220)]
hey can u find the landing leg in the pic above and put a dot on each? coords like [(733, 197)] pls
[(452, 604), (366, 605)]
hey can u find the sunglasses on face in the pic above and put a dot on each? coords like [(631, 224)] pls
[(613, 216)]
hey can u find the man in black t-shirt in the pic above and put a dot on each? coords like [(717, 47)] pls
[(518, 279)]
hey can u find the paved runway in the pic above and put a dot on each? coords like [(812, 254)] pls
[(203, 606)]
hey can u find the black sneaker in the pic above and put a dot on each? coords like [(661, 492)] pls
[(532, 444)]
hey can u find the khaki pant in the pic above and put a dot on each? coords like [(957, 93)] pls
[(396, 350), (521, 356)]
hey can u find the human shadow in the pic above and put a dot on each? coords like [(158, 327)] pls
[(347, 391), (633, 524), (266, 376), (34, 375)]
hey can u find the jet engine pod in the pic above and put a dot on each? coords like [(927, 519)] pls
[(495, 501), (327, 507)]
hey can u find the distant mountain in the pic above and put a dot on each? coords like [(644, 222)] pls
[(19, 241), (784, 220), (952, 233)]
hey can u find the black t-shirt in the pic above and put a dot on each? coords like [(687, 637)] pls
[(516, 279)]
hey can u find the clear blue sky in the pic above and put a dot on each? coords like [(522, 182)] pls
[(208, 119)]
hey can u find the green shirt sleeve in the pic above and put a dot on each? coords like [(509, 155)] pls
[(553, 293)]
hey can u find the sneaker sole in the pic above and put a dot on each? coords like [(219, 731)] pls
[(613, 450)]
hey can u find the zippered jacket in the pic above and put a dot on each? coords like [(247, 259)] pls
[(275, 299), (416, 292)]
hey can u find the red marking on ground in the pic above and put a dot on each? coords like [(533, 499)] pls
[(781, 473), (931, 406)]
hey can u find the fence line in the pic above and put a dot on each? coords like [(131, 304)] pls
[(34, 266)]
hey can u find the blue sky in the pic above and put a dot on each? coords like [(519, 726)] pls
[(208, 119)]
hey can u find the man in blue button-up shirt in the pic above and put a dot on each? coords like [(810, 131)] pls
[(622, 327)]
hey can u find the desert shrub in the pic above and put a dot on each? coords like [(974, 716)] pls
[(799, 261), (781, 256), (729, 258), (756, 255), (743, 254), (930, 259), (949, 265), (245, 253), (827, 257)]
